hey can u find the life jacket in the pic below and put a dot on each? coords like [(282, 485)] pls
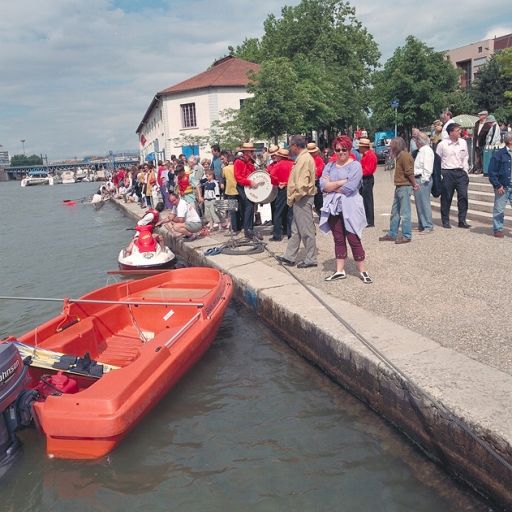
[(145, 241), (184, 185), (156, 215)]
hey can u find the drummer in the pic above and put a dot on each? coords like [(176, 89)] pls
[(279, 174), (243, 167)]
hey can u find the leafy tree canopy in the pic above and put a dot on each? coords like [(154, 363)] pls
[(230, 129), (492, 89), (321, 57), (20, 160), (421, 79)]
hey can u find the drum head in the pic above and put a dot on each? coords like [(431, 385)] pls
[(264, 192)]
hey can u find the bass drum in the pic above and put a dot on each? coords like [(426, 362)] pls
[(264, 192)]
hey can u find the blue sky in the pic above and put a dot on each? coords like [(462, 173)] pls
[(78, 75)]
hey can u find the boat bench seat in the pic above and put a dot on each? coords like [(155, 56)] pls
[(77, 339)]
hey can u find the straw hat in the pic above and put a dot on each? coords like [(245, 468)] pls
[(283, 153), (365, 142), (272, 150), (312, 147), (247, 146)]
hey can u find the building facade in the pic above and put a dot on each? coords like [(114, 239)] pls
[(4, 157), (470, 58), (181, 114)]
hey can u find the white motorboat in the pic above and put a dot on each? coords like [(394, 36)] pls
[(80, 174), (68, 177), (37, 178)]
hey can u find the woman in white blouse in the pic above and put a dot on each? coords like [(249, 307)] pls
[(423, 167)]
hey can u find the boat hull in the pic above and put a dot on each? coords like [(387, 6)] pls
[(168, 340)]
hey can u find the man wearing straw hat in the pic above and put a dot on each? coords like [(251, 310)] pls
[(243, 167), (369, 165), (279, 175), (480, 131), (300, 194)]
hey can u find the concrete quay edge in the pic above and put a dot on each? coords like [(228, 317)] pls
[(474, 398)]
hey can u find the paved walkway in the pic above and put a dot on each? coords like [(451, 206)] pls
[(453, 286)]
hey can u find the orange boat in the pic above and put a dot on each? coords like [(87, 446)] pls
[(147, 333)]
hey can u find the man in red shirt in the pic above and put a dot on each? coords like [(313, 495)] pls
[(314, 151), (243, 167), (279, 174), (369, 165)]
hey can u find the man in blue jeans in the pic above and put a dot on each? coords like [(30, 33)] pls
[(404, 185), (500, 172)]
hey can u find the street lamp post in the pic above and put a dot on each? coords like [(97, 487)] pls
[(23, 144), (394, 104)]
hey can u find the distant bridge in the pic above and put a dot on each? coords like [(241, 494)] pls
[(18, 172)]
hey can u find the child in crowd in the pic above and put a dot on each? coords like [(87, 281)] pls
[(211, 194)]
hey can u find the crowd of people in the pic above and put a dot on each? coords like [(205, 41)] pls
[(337, 184)]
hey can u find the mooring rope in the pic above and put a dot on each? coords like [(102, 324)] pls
[(406, 381)]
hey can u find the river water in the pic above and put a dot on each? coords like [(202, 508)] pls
[(252, 427)]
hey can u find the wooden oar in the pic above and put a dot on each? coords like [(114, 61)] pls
[(44, 358)]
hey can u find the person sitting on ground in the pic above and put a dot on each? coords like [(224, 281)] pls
[(151, 217), (183, 219)]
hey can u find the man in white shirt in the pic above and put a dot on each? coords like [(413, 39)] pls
[(447, 119), (183, 219), (454, 169)]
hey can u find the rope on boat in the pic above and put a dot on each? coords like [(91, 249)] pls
[(92, 301)]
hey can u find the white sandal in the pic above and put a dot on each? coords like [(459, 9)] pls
[(336, 276), (365, 277)]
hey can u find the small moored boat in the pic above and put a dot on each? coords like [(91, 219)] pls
[(68, 177), (37, 178), (140, 337)]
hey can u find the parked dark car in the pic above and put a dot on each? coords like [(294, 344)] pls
[(381, 145)]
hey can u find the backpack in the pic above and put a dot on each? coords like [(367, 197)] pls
[(436, 176)]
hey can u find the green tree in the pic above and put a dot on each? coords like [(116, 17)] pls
[(20, 160), (230, 129), (274, 109), (492, 88), (461, 101), (421, 79), (330, 55), (490, 85), (249, 50)]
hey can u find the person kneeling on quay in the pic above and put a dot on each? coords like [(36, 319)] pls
[(343, 211), (183, 219)]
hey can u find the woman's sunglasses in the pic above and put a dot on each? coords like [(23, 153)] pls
[(341, 150)]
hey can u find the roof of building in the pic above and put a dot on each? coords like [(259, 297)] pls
[(226, 72)]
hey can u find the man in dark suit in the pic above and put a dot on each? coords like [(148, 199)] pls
[(480, 131)]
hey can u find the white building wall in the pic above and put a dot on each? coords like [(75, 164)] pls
[(208, 102)]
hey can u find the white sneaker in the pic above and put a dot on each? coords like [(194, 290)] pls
[(336, 276)]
